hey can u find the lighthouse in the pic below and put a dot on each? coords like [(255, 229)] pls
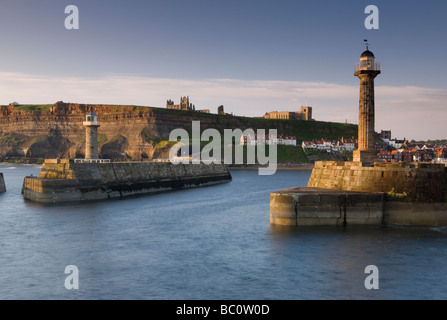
[(91, 125), (366, 71)]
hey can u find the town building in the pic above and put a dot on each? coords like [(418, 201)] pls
[(252, 140), (308, 145), (349, 144), (441, 155), (411, 155), (386, 156), (330, 145)]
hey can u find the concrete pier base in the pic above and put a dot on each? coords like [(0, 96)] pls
[(2, 184), (316, 207), (313, 206)]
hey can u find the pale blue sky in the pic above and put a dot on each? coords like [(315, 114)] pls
[(284, 53)]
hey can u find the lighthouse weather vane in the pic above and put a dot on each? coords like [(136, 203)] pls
[(366, 43)]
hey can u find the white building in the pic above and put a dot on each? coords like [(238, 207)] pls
[(349, 144), (251, 140), (308, 145)]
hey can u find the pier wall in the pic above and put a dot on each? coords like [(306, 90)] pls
[(63, 180), (413, 181), (2, 184), (313, 206)]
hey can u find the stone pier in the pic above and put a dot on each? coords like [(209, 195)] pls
[(413, 181), (348, 193), (2, 184), (325, 207), (65, 180), (313, 206)]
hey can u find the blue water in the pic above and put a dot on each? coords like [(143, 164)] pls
[(207, 243)]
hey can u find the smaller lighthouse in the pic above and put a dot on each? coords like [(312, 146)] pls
[(91, 125)]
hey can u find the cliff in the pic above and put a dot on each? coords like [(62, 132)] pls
[(127, 132)]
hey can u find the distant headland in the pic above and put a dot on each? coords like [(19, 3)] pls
[(31, 133)]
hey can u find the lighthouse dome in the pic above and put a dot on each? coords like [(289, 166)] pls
[(367, 54)]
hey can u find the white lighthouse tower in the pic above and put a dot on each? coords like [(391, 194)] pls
[(91, 125)]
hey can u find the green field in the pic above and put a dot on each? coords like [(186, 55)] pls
[(32, 107)]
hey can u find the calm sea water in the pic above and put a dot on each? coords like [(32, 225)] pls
[(207, 243)]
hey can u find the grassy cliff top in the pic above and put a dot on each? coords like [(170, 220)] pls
[(302, 130), (34, 107)]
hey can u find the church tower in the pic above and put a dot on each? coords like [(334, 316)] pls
[(91, 125), (366, 71)]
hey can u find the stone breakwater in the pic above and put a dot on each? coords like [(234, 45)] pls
[(65, 181), (314, 206), (348, 193), (2, 184), (410, 180)]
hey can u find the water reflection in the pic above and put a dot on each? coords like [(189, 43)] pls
[(405, 257)]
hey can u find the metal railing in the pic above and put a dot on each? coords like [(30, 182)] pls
[(92, 160), (376, 67)]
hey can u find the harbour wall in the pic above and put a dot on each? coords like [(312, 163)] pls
[(356, 193), (2, 184), (314, 206), (64, 180), (425, 182)]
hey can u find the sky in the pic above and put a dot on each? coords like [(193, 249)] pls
[(252, 56)]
